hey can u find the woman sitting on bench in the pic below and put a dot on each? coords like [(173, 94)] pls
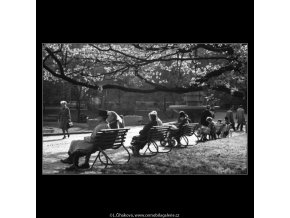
[(85, 146), (115, 120), (177, 129), (138, 142)]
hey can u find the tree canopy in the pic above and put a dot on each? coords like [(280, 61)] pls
[(148, 68)]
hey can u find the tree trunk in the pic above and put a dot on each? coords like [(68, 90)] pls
[(164, 103), (79, 109), (79, 104)]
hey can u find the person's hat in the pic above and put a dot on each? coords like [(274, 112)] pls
[(153, 112), (208, 119), (103, 113), (181, 114)]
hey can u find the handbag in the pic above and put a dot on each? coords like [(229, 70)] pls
[(69, 125)]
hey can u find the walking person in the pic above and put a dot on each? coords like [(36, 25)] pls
[(240, 116), (230, 116), (64, 118)]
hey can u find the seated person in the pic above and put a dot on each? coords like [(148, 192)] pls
[(159, 122), (176, 130), (86, 146), (211, 126), (138, 142), (114, 120), (219, 125)]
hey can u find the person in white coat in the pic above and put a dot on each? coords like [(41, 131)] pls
[(159, 122)]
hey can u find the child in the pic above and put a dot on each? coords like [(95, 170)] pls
[(226, 128), (212, 128), (219, 127)]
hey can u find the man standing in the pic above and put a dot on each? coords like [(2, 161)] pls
[(230, 116), (205, 115), (240, 116)]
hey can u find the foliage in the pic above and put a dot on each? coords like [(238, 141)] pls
[(149, 68)]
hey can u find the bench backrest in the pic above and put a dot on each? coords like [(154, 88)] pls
[(111, 138), (189, 129), (158, 133)]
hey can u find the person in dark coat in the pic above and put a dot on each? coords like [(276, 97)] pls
[(240, 116), (138, 142), (64, 118), (183, 120), (230, 116), (212, 128), (205, 114)]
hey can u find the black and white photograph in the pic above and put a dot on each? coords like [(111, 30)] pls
[(145, 108), (142, 110)]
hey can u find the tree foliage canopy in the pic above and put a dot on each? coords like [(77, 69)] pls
[(148, 68)]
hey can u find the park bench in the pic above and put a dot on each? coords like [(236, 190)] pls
[(156, 134), (109, 139), (186, 131)]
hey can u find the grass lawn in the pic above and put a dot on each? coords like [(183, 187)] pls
[(222, 156)]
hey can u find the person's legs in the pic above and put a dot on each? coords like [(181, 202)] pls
[(68, 160), (75, 165), (213, 135), (86, 164), (242, 124), (177, 138), (233, 126), (135, 145), (63, 131), (238, 125), (67, 133), (87, 159), (218, 133)]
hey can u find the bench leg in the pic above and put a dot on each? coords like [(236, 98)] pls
[(107, 159), (95, 160), (148, 148), (156, 147), (158, 151), (129, 156)]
